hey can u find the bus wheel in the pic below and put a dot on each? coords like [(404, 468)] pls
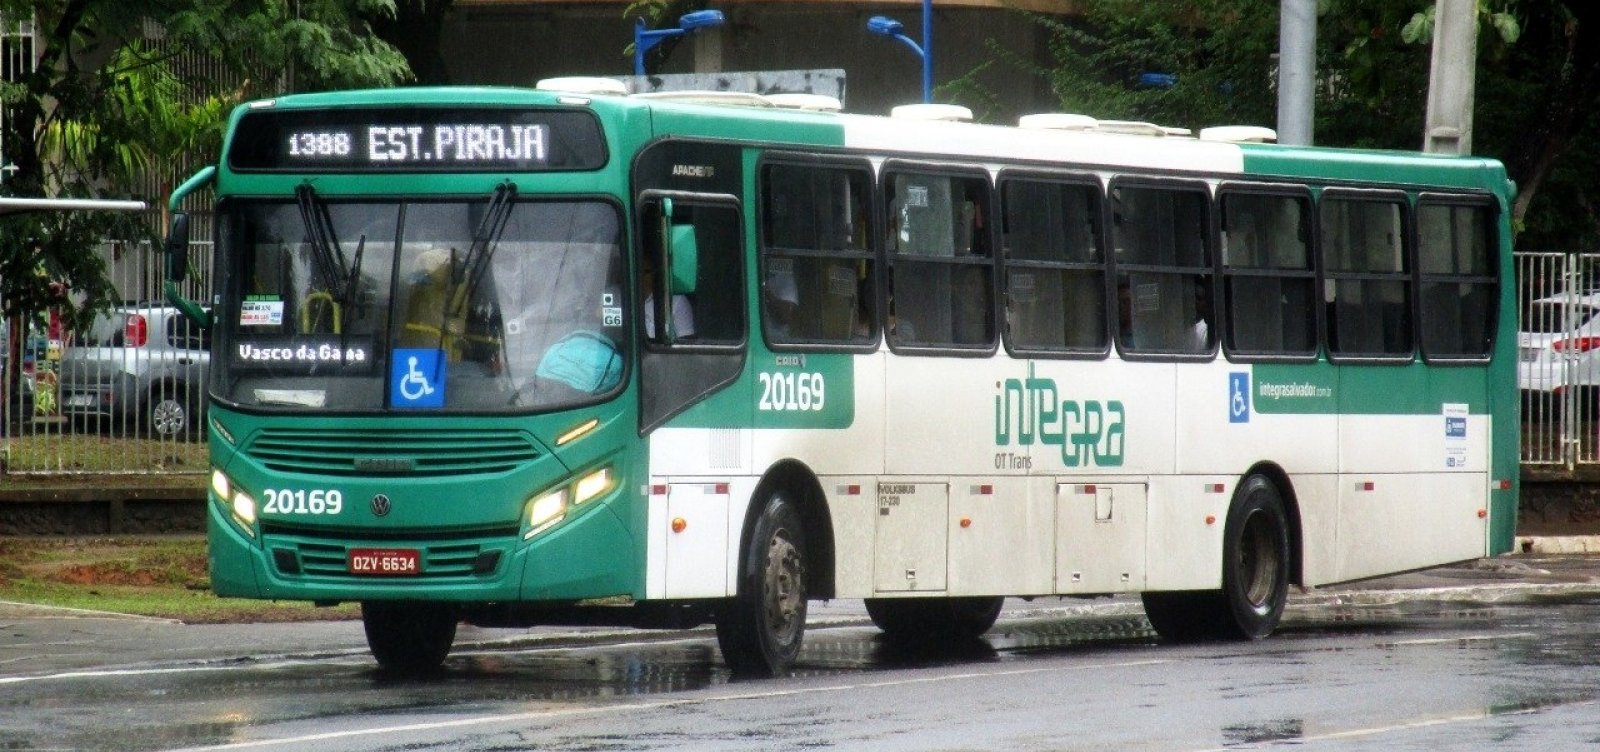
[(1255, 576), (943, 619), (409, 638), (1255, 560), (760, 629)]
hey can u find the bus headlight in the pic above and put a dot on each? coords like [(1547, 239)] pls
[(552, 506), (244, 510), (545, 511), (591, 485), (236, 500)]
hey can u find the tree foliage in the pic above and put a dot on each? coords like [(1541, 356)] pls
[(1538, 79), (110, 100)]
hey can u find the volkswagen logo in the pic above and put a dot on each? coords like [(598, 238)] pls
[(380, 505)]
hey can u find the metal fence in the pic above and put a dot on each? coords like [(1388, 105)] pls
[(1558, 370), (124, 395)]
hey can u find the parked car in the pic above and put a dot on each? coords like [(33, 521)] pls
[(1559, 345), (140, 366)]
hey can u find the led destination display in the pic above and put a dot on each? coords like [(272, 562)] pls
[(415, 138)]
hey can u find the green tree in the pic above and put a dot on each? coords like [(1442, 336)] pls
[(1538, 79), (107, 101)]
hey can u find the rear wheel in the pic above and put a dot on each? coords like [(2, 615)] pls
[(934, 619), (760, 629), (409, 638), (1255, 575)]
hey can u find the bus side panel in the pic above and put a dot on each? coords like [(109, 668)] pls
[(1392, 520), (853, 506), (999, 539), (1185, 551), (1396, 523)]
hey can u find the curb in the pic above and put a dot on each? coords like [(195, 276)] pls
[(1558, 544)]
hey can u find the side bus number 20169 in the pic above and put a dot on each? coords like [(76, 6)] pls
[(791, 391), (301, 501)]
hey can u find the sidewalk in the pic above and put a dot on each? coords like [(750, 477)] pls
[(38, 641)]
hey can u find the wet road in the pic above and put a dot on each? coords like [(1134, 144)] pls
[(1415, 675)]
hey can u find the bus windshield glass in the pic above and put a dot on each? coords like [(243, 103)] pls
[(494, 304)]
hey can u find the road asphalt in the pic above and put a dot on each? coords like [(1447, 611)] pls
[(36, 641)]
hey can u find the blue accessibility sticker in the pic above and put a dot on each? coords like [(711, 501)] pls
[(416, 378)]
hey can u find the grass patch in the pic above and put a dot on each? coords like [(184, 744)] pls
[(47, 449), (163, 576)]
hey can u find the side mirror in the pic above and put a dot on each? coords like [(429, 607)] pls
[(177, 248)]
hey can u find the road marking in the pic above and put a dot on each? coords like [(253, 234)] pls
[(637, 706), (1421, 723), (1458, 640)]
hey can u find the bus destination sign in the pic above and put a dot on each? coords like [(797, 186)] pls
[(417, 139)]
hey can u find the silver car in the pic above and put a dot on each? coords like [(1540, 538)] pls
[(138, 367)]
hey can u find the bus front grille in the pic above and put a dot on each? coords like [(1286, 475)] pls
[(410, 452)]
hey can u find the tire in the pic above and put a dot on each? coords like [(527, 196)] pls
[(1255, 576), (934, 619), (760, 629), (170, 411), (410, 639)]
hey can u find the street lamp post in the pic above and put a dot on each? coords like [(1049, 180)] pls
[(644, 39), (888, 27)]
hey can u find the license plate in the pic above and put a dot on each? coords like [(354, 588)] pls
[(80, 400), (385, 561), (1530, 354)]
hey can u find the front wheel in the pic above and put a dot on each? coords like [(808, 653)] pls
[(760, 629), (409, 638)]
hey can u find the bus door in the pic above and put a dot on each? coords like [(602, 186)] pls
[(690, 297)]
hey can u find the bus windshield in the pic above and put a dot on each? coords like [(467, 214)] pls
[(494, 304)]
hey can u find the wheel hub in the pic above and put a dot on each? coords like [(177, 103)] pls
[(785, 586)]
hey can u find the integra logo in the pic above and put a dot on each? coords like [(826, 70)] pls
[(1030, 411)]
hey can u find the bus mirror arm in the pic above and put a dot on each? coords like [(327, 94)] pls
[(177, 247)]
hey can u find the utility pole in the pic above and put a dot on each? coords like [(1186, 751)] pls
[(1297, 70), (1448, 129)]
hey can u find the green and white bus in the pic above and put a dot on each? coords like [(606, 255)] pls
[(922, 362)]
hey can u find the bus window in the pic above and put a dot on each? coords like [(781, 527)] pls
[(941, 278), (1269, 281), (1368, 276), (1459, 289), (1163, 268), (1055, 278), (817, 264)]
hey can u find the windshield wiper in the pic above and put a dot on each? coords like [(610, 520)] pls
[(328, 260), (485, 239), (338, 277)]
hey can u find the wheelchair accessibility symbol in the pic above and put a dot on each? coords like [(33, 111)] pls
[(1238, 398), (416, 378)]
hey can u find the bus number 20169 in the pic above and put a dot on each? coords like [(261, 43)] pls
[(791, 391), (301, 501)]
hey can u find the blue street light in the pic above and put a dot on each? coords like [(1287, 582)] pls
[(888, 27), (644, 39)]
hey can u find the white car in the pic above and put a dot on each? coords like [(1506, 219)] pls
[(1559, 344)]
